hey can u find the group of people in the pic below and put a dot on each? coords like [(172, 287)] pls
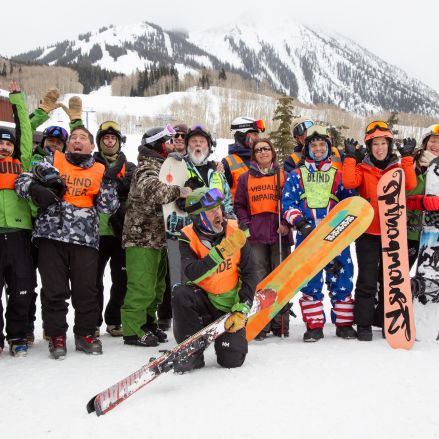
[(67, 212)]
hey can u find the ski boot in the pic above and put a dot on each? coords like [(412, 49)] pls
[(115, 330), (346, 332), (17, 347), (313, 335), (148, 339), (57, 347), (364, 333), (88, 344), (183, 365)]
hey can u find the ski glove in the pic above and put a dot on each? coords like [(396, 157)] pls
[(74, 110), (49, 100), (231, 244), (354, 150), (303, 227), (42, 196), (235, 322), (423, 202), (112, 172), (407, 147)]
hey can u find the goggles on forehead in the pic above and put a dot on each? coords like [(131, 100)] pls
[(300, 128), (377, 125), (316, 131), (257, 125), (109, 124), (56, 131), (168, 131), (435, 129), (209, 200)]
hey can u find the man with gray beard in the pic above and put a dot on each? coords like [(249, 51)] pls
[(202, 172)]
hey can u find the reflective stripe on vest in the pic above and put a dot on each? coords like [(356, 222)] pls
[(214, 180), (335, 158), (10, 169), (262, 193), (237, 168), (83, 184), (318, 187), (226, 275)]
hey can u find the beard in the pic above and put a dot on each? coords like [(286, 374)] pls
[(197, 157)]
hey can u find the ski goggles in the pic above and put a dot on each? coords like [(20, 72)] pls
[(257, 125), (109, 124), (57, 132), (300, 128), (316, 131), (167, 131), (435, 129), (377, 125), (214, 197)]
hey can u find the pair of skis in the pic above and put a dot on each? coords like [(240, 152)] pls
[(348, 220)]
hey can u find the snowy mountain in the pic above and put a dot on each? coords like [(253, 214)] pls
[(314, 65)]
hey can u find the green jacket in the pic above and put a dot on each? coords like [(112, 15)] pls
[(414, 217), (15, 212)]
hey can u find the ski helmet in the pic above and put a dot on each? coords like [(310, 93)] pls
[(57, 132), (378, 128), (317, 132), (109, 127), (203, 199), (244, 124), (301, 125), (155, 138), (199, 130), (432, 130)]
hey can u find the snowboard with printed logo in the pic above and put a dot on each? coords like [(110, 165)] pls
[(343, 224), (399, 324)]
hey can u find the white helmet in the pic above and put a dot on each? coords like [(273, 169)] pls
[(432, 130), (244, 124)]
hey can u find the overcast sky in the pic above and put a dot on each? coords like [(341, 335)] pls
[(404, 33)]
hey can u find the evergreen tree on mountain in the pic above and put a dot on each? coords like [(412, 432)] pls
[(393, 120), (282, 137)]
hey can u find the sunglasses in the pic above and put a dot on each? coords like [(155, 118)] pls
[(109, 124), (208, 200), (377, 125), (262, 149), (180, 135), (300, 129)]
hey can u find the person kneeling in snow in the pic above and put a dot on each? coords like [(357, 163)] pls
[(216, 260)]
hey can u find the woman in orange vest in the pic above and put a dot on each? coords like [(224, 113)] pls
[(257, 204), (362, 169)]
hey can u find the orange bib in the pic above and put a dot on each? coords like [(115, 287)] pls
[(262, 193), (10, 169), (237, 168), (82, 184)]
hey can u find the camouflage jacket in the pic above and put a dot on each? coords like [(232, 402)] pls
[(67, 223), (144, 225)]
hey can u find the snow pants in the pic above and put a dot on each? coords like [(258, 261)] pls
[(367, 310), (110, 249), (68, 270), (146, 272), (192, 311), (339, 280), (18, 276)]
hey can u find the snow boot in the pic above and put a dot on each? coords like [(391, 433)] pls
[(313, 335), (364, 333), (115, 330), (346, 332), (17, 347), (88, 344), (195, 361), (154, 329), (57, 347), (148, 339)]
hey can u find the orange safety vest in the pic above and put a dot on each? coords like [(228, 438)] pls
[(226, 276), (83, 184), (10, 169), (237, 168), (335, 158), (262, 193)]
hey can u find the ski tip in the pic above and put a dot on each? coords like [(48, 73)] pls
[(91, 405)]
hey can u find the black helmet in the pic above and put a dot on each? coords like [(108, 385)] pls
[(109, 127), (199, 130)]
